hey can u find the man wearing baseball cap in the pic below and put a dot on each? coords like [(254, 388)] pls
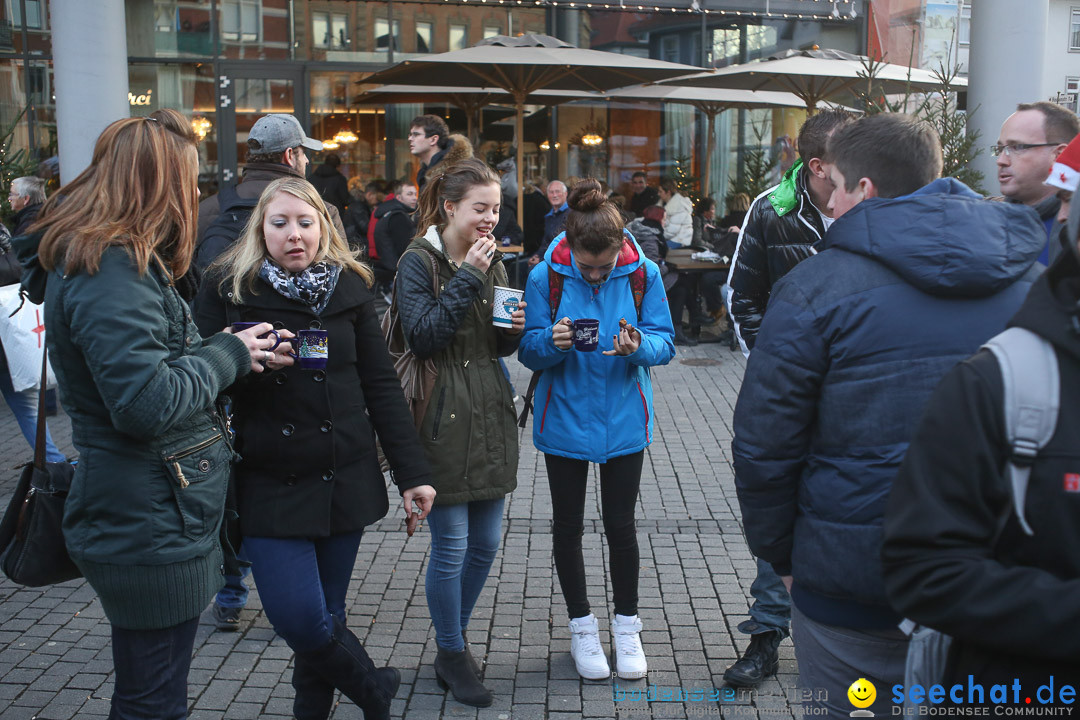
[(277, 147)]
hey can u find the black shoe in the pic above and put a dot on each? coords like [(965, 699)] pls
[(453, 673), (473, 665), (227, 619), (346, 664), (314, 694), (681, 339), (760, 660)]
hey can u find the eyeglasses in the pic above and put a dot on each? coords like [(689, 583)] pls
[(1016, 148)]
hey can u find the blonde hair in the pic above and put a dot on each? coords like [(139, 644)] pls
[(139, 193), (239, 265)]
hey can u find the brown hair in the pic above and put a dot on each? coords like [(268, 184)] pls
[(433, 125), (593, 224), (668, 185), (453, 185), (739, 202), (139, 193), (899, 153), (814, 133), (1060, 125)]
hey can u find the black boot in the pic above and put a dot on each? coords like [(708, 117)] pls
[(346, 664), (473, 665), (760, 660), (452, 671), (314, 695)]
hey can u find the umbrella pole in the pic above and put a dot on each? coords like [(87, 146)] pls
[(710, 147), (520, 122)]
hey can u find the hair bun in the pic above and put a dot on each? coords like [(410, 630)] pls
[(586, 196)]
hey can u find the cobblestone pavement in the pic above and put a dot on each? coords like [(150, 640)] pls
[(696, 571)]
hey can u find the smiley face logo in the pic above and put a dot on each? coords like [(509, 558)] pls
[(862, 693)]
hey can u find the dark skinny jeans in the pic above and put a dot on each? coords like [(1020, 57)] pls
[(620, 478)]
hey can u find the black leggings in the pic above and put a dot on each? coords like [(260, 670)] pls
[(619, 481)]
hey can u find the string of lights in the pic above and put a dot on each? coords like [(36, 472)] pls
[(834, 13)]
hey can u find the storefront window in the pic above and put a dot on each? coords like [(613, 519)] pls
[(190, 89), (355, 133), (168, 28)]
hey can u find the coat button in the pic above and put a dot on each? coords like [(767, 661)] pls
[(290, 480), (281, 379), (328, 476), (204, 465), (287, 429), (485, 301), (320, 375), (452, 416), (326, 426), (315, 325)]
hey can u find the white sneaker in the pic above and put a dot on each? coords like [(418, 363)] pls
[(585, 648), (629, 656)]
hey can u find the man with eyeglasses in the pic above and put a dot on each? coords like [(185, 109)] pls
[(429, 139), (1030, 141)]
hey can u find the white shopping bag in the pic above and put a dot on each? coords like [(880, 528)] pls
[(23, 336)]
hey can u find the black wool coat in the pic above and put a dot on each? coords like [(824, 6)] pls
[(307, 437)]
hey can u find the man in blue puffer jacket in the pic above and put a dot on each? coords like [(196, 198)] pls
[(916, 274)]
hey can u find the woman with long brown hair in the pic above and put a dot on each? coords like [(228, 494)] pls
[(139, 383)]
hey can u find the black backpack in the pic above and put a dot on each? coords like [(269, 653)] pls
[(226, 228)]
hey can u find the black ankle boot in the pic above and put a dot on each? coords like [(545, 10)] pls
[(452, 671), (346, 664), (314, 695), (761, 659), (473, 665)]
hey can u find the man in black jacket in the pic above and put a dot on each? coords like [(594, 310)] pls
[(331, 184), (26, 197), (644, 194), (780, 230), (955, 556), (394, 231)]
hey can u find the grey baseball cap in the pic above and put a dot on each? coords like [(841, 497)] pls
[(278, 133)]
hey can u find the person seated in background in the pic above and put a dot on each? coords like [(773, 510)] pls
[(649, 232), (679, 230), (644, 194), (737, 207), (720, 237)]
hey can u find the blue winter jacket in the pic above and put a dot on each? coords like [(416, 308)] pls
[(853, 342), (589, 405)]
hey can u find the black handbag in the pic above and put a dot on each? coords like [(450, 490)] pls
[(31, 533)]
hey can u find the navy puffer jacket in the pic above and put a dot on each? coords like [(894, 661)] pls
[(855, 340)]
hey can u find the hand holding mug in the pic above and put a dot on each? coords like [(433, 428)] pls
[(283, 353), (260, 343), (481, 253), (562, 334)]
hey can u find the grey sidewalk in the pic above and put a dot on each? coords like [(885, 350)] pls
[(695, 574)]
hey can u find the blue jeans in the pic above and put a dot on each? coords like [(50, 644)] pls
[(464, 540), (302, 583), (24, 407), (772, 603), (151, 672), (235, 592)]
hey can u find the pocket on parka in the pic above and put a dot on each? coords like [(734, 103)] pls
[(199, 471)]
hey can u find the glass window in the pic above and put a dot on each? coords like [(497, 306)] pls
[(320, 30), (964, 28), (189, 88), (423, 37), (492, 31), (33, 13), (669, 48), (339, 30), (459, 37), (382, 35), (240, 20), (356, 133), (1074, 30), (168, 28)]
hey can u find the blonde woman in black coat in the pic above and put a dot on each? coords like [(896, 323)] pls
[(309, 480)]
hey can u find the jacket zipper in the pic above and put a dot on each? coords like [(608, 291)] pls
[(438, 415), (174, 459), (644, 405), (543, 417)]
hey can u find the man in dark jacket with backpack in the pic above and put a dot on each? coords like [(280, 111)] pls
[(277, 148), (956, 556), (915, 274)]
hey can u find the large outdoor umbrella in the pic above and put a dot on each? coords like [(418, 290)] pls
[(816, 76), (711, 102), (470, 100), (521, 66)]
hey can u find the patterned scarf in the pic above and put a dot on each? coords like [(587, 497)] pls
[(312, 286)]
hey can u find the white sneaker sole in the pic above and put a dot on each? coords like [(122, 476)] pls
[(603, 676)]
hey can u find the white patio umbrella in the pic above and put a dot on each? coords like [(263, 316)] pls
[(522, 65), (816, 76), (711, 102)]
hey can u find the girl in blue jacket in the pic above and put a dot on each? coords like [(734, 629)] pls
[(596, 406)]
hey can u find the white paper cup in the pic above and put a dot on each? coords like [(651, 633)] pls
[(506, 302)]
